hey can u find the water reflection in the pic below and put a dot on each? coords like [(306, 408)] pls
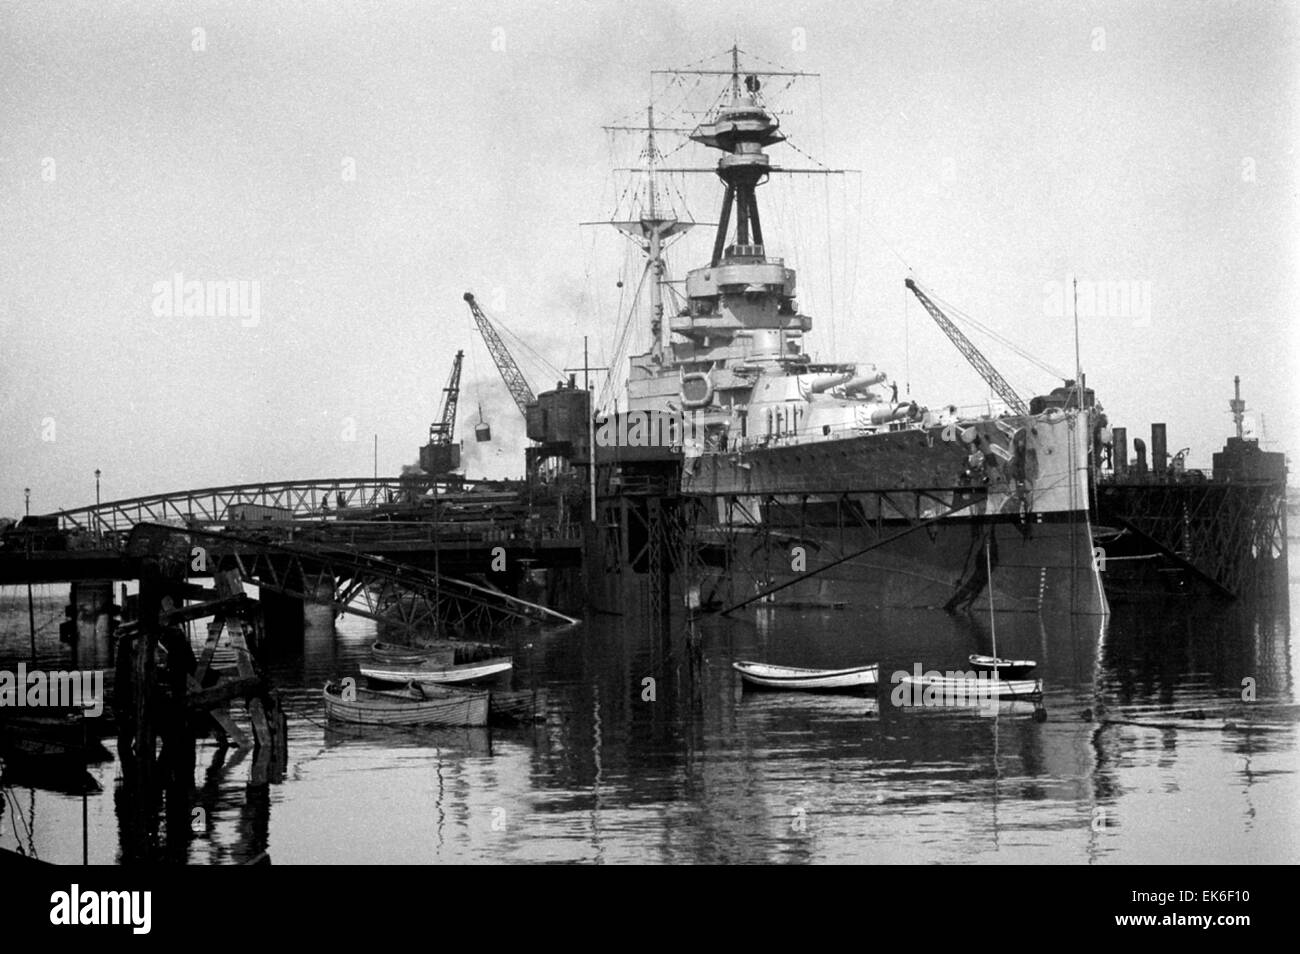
[(1149, 753)]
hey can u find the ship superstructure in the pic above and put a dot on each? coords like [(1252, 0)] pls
[(824, 455)]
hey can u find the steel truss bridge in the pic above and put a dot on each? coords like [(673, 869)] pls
[(328, 497)]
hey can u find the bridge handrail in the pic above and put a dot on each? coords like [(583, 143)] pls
[(299, 496)]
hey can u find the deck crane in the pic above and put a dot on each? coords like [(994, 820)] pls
[(504, 360), (442, 455), (971, 353)]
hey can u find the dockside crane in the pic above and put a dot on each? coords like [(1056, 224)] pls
[(516, 384), (442, 455), (970, 352)]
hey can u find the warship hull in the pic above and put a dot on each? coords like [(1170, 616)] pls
[(1044, 564), (903, 519)]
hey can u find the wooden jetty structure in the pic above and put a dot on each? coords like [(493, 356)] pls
[(163, 694)]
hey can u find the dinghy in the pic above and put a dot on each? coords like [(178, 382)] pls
[(395, 655), (764, 676), (414, 705), (447, 652), (422, 674), (1006, 668), (55, 733), (967, 690)]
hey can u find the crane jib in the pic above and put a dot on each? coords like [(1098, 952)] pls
[(516, 384), (971, 353)]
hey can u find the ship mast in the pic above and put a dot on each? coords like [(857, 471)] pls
[(655, 251), (652, 228), (717, 319), (741, 129), (1238, 407)]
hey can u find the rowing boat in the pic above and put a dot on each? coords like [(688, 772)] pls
[(393, 654), (965, 690), (50, 733), (422, 674), (414, 705), (450, 651), (1006, 668), (765, 676)]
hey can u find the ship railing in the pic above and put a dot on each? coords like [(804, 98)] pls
[(967, 412), (363, 533), (750, 251)]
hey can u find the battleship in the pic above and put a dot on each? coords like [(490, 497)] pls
[(824, 487)]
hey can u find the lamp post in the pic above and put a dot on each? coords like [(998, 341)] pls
[(31, 611), (99, 527)]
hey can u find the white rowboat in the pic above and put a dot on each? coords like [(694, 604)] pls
[(390, 654), (414, 705), (466, 672), (765, 676), (964, 690)]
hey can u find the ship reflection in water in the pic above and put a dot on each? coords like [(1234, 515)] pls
[(1147, 754)]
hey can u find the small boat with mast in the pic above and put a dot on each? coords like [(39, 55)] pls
[(990, 682), (1005, 668), (999, 667)]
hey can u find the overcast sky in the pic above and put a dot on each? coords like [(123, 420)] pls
[(366, 163)]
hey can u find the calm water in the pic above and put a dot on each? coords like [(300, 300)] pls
[(706, 773)]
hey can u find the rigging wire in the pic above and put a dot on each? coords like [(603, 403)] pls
[(670, 114), (622, 348), (539, 358), (854, 250), (677, 79), (620, 351), (686, 207), (826, 194), (473, 363), (588, 298), (1005, 342), (907, 343), (613, 362)]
